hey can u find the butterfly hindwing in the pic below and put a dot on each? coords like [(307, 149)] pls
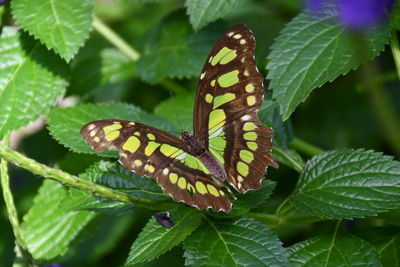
[(229, 94), (154, 153)]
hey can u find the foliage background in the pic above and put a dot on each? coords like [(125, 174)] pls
[(173, 38)]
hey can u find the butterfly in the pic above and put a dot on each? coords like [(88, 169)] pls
[(230, 147)]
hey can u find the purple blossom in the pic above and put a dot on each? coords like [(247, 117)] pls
[(356, 14), (164, 220)]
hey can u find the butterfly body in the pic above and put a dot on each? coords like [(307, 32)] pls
[(199, 150), (230, 145)]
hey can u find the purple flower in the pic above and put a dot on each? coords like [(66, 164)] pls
[(356, 14), (163, 219)]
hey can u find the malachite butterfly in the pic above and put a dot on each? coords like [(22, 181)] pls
[(230, 147)]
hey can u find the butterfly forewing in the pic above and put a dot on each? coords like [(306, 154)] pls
[(154, 153), (229, 95)]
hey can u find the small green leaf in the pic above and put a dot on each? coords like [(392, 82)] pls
[(333, 251), (31, 80), (65, 123), (253, 199), (114, 176), (387, 243), (156, 239), (240, 242), (348, 184), (61, 25), (314, 49), (48, 229), (202, 12), (97, 64), (173, 50)]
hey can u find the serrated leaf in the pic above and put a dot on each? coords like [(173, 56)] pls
[(348, 184), (63, 25), (65, 123), (47, 229), (314, 49), (201, 12), (97, 64), (240, 242), (173, 50), (156, 239), (333, 251), (31, 79), (253, 199), (113, 175)]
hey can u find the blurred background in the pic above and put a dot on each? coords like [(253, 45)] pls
[(340, 114)]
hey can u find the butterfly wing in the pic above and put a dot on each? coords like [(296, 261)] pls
[(229, 94), (151, 152)]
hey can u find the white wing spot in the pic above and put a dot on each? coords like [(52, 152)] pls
[(202, 75), (165, 171), (237, 36), (243, 41), (230, 34), (91, 127), (92, 133), (96, 139), (245, 118), (131, 123)]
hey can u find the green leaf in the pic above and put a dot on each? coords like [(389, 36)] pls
[(314, 49), (61, 25), (173, 50), (47, 229), (178, 110), (253, 199), (333, 251), (395, 18), (65, 123), (387, 243), (240, 242), (348, 183), (114, 176), (202, 12), (31, 80), (97, 64), (156, 239)]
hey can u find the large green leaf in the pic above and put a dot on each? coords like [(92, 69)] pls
[(334, 250), (174, 50), (314, 49), (156, 239), (47, 228), (114, 176), (348, 183), (61, 25), (240, 242), (201, 12), (31, 79), (97, 64), (65, 123)]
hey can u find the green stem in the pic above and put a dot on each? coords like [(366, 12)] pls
[(394, 45), (284, 207), (76, 182), (12, 211), (298, 166), (306, 148), (382, 107), (115, 39), (275, 220), (172, 86)]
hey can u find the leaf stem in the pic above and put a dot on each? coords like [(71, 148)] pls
[(115, 39), (383, 107), (306, 148), (284, 207), (12, 211), (394, 45), (295, 164), (275, 220), (76, 182)]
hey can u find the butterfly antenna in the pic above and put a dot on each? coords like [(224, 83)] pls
[(176, 112)]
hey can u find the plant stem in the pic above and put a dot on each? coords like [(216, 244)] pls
[(394, 45), (298, 166), (275, 220), (172, 86), (306, 148), (382, 107), (76, 182), (12, 211), (115, 39)]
